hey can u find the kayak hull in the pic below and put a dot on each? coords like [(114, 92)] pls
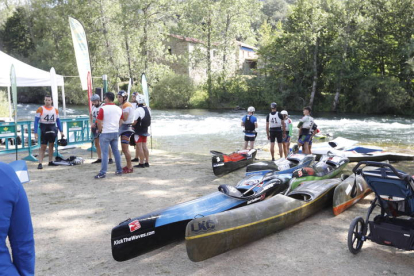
[(143, 234), (380, 156), (215, 234), (222, 164), (282, 165), (349, 192), (300, 177)]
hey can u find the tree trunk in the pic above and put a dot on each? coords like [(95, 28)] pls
[(226, 42), (131, 76), (209, 81), (315, 72), (145, 42), (108, 45)]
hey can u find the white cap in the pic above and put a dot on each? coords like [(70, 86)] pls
[(284, 112), (140, 98)]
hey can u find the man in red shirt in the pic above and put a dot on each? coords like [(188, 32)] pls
[(108, 120)]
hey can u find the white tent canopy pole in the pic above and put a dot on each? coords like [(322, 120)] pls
[(54, 87), (63, 101), (10, 106)]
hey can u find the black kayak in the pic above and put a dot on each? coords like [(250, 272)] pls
[(224, 163), (137, 236)]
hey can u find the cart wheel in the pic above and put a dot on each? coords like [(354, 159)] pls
[(355, 234)]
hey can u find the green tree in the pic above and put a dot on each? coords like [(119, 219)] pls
[(17, 35)]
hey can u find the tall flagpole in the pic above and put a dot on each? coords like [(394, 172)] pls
[(14, 94)]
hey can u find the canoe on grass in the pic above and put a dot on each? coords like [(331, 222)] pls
[(212, 235), (145, 233), (224, 163), (349, 192)]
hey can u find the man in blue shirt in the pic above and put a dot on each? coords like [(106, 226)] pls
[(16, 224), (249, 122)]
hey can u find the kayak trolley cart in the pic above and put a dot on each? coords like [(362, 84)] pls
[(394, 194)]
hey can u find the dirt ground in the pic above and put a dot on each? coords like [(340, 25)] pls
[(73, 215)]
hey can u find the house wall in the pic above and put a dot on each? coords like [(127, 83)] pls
[(188, 58)]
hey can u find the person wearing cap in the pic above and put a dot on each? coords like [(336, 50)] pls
[(142, 120), (288, 128), (249, 122), (46, 118), (305, 130), (96, 106), (108, 120), (125, 128), (275, 129)]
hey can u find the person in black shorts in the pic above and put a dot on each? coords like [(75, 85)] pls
[(46, 118), (275, 129)]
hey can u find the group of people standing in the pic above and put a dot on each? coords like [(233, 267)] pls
[(129, 121), (279, 128)]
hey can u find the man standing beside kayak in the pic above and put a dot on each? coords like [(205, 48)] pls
[(288, 127), (249, 122), (275, 129), (305, 130)]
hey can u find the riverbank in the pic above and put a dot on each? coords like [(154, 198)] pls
[(73, 215)]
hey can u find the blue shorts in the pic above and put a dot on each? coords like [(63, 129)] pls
[(304, 139), (286, 139)]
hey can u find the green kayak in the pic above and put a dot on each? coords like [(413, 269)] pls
[(327, 167)]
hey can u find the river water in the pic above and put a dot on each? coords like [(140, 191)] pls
[(199, 131)]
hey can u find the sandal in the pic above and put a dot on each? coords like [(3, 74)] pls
[(127, 170)]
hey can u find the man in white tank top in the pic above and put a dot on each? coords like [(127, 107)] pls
[(275, 129), (108, 120)]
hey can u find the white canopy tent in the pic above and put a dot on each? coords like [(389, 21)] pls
[(26, 76)]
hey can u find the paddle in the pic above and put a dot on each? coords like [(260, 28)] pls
[(144, 85)]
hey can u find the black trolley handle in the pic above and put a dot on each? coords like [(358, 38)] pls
[(380, 165)]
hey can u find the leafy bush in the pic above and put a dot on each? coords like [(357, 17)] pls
[(173, 91), (4, 104), (377, 94), (244, 91)]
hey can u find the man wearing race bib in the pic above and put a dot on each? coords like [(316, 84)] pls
[(288, 127), (96, 106), (125, 128), (249, 122), (142, 120), (275, 129), (46, 119), (305, 126)]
